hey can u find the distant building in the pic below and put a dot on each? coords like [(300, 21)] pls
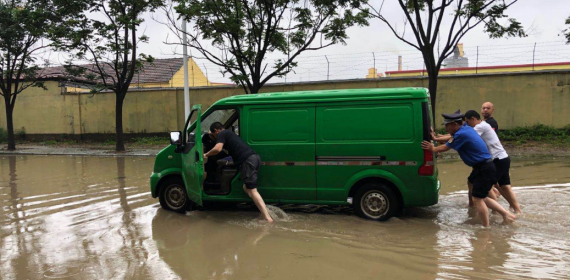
[(373, 74), (458, 59), (162, 73)]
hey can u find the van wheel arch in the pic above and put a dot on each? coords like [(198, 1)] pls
[(173, 196), (160, 183), (379, 180)]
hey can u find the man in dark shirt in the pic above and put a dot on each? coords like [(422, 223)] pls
[(209, 142), (487, 110), (245, 158)]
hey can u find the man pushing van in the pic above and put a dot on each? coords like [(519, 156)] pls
[(500, 157), (245, 158), (473, 151)]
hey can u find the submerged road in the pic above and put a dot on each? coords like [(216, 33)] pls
[(81, 217)]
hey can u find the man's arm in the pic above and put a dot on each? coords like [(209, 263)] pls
[(429, 146), (214, 151), (441, 138)]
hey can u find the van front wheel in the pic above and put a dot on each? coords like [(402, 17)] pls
[(376, 202), (173, 196)]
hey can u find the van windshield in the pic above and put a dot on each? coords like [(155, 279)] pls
[(221, 115)]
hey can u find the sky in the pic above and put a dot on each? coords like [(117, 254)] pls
[(542, 19)]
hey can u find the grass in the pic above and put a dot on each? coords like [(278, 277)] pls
[(141, 141), (536, 133)]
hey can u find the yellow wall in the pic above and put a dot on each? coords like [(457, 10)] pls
[(196, 77), (520, 99)]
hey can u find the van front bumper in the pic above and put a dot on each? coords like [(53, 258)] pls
[(154, 178)]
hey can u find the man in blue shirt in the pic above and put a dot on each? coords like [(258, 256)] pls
[(473, 151)]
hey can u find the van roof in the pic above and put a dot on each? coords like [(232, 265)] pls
[(326, 96)]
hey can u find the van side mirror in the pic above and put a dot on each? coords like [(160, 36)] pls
[(175, 138)]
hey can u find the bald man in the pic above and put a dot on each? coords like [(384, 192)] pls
[(487, 110)]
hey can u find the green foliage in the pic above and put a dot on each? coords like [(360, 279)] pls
[(24, 25), (109, 42), (567, 31), (536, 133), (3, 135), (155, 140), (243, 33), (19, 133), (437, 41)]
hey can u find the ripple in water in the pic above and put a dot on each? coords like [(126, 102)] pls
[(62, 272)]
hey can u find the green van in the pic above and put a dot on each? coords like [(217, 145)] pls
[(335, 147)]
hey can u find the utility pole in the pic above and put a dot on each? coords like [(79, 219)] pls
[(185, 57)]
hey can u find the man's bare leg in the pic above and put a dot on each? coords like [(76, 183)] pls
[(470, 193), (510, 196), (482, 210), (496, 191), (492, 195), (493, 204), (256, 197)]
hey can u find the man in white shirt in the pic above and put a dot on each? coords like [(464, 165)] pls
[(500, 157)]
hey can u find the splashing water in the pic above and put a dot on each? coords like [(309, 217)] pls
[(278, 214)]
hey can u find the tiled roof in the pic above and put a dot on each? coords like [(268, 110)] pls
[(161, 71)]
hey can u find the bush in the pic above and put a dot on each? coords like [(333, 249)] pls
[(154, 140), (539, 132), (3, 135)]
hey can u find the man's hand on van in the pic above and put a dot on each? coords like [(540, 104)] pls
[(429, 146)]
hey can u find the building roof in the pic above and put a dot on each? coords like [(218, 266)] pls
[(325, 96), (160, 71)]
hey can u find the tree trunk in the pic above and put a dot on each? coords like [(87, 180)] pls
[(432, 78), (10, 125), (119, 144)]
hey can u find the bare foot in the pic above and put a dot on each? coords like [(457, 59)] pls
[(270, 220), (509, 218), (518, 211)]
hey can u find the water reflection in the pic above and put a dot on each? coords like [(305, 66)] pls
[(93, 218)]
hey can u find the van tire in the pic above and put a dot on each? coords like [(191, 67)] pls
[(173, 196), (376, 201)]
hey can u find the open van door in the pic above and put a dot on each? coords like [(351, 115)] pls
[(192, 159)]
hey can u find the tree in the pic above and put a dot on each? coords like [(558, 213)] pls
[(240, 35), (110, 46), (25, 27), (425, 17)]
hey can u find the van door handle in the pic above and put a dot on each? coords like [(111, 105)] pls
[(197, 157)]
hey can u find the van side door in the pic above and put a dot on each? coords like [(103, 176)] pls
[(284, 137), (364, 136)]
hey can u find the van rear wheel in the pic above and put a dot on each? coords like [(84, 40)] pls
[(376, 202), (173, 196)]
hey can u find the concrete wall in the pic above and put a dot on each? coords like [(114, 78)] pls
[(521, 99)]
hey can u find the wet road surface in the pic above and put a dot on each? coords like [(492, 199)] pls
[(70, 217)]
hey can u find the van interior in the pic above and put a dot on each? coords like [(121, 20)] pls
[(220, 169)]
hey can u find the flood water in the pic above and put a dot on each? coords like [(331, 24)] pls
[(67, 217)]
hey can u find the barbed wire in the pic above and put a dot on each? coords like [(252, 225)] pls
[(313, 67)]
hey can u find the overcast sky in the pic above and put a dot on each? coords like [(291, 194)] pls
[(543, 20)]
